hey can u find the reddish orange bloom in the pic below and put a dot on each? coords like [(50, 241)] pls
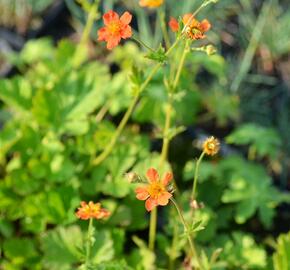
[(115, 28), (155, 192), (173, 24), (91, 210), (195, 29), (150, 3)]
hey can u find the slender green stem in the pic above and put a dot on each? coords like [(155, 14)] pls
[(166, 139), (152, 228), (89, 243), (99, 159), (181, 63), (161, 16), (172, 254), (102, 112), (77, 59), (204, 4), (187, 232), (194, 185), (142, 43)]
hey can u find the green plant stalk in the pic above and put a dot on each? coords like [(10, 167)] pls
[(86, 33), (161, 16), (164, 154), (196, 170), (152, 228), (165, 145), (186, 231), (181, 64), (142, 43), (173, 247), (88, 244), (99, 159)]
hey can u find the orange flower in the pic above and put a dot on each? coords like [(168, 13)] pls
[(173, 24), (150, 3), (91, 210), (155, 192), (115, 28), (211, 146), (195, 29)]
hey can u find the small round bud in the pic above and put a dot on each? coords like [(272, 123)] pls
[(131, 177), (195, 205), (210, 50)]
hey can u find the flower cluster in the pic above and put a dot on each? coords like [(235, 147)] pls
[(91, 210), (155, 192)]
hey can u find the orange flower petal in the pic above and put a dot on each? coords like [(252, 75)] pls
[(167, 178), (126, 18), (110, 16), (102, 34), (173, 24), (141, 193), (112, 42), (164, 198), (205, 25), (126, 32), (152, 175), (150, 204)]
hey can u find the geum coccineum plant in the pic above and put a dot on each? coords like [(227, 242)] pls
[(90, 211), (156, 192)]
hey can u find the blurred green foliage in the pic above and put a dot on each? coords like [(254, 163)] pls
[(56, 118)]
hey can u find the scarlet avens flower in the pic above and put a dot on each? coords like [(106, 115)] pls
[(173, 24), (150, 3), (195, 29), (115, 28), (211, 146), (91, 210), (155, 192)]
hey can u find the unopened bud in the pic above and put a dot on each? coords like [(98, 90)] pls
[(210, 50), (195, 205), (131, 177)]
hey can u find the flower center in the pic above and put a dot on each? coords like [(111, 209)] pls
[(155, 189), (211, 146), (114, 27)]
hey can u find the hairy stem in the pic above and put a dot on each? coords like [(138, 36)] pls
[(152, 228), (99, 159), (187, 232), (161, 16), (78, 56), (196, 170), (89, 243)]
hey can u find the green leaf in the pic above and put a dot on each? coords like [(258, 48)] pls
[(17, 93), (266, 141), (159, 55), (19, 250), (281, 258), (62, 247), (142, 258), (37, 50)]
